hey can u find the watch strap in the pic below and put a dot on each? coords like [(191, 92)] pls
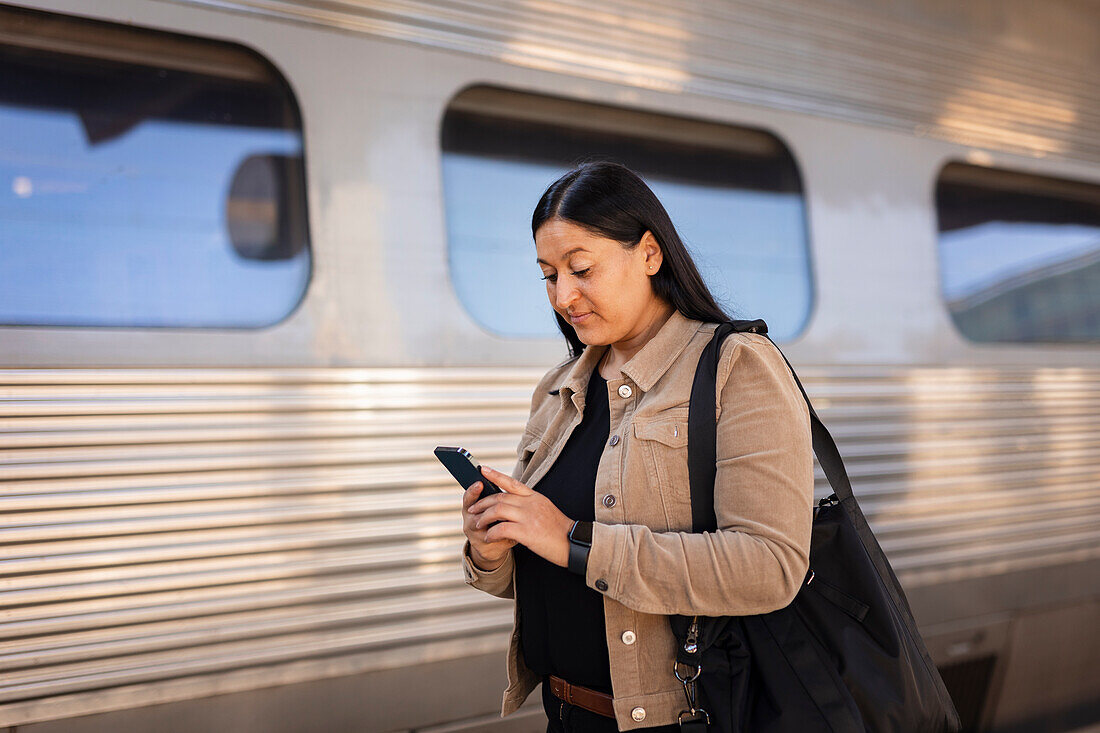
[(580, 544), (578, 558)]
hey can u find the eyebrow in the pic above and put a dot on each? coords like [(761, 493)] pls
[(575, 249)]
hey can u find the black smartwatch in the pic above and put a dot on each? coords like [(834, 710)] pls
[(580, 543)]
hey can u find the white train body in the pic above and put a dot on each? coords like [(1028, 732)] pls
[(245, 527)]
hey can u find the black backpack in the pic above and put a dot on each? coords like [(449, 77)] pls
[(844, 656)]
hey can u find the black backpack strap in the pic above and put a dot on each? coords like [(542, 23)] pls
[(702, 431), (702, 454)]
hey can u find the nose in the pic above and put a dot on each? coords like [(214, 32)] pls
[(565, 292)]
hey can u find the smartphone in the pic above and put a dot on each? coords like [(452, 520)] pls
[(461, 465)]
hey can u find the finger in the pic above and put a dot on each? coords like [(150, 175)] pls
[(471, 494), (498, 512), (491, 500), (500, 532), (505, 481), (485, 518)]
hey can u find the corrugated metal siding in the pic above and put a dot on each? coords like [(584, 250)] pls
[(176, 534), (970, 472), (1018, 77)]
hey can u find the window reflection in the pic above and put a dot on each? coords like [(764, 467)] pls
[(1019, 255), (165, 189), (733, 193)]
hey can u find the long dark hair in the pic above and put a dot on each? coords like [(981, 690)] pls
[(613, 202)]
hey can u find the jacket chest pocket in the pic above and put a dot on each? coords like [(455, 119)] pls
[(661, 441), (529, 446)]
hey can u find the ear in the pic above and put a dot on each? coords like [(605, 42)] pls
[(651, 252)]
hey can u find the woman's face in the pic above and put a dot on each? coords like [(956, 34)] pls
[(599, 286)]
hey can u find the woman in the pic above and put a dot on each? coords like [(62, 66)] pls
[(593, 535)]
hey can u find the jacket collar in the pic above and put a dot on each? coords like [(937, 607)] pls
[(645, 367)]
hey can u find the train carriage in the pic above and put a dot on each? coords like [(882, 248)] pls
[(259, 257)]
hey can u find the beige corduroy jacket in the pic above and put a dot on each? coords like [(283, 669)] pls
[(644, 559)]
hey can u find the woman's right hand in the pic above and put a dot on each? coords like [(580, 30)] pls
[(486, 555)]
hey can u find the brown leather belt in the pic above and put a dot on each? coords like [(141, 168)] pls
[(582, 697)]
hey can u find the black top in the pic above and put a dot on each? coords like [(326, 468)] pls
[(561, 623)]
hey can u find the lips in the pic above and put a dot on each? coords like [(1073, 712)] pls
[(579, 318)]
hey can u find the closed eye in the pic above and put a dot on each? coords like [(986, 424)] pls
[(553, 277)]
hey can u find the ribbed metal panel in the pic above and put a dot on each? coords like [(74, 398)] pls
[(181, 533), (970, 472), (1016, 76), (175, 534)]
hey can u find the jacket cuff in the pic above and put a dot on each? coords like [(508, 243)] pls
[(606, 557), (494, 582)]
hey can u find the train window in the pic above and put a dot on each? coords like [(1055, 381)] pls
[(149, 179), (734, 194), (1019, 255)]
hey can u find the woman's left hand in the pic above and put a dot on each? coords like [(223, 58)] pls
[(525, 516)]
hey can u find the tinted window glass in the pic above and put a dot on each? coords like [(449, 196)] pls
[(733, 193), (149, 180), (1019, 255)]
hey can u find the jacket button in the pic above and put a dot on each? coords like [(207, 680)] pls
[(638, 714), (629, 637), (609, 501), (625, 391), (601, 585), (614, 440)]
